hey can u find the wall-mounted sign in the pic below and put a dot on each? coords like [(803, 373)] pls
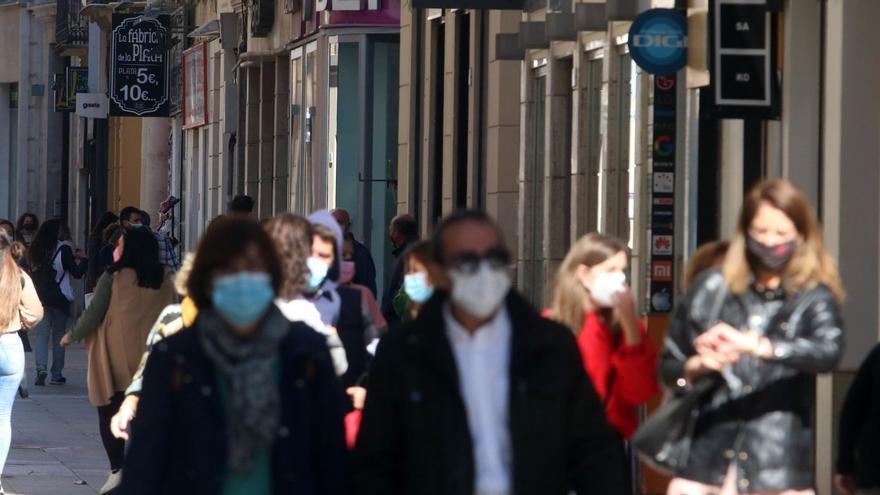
[(658, 41), (66, 87), (662, 285), (262, 17), (346, 5), (195, 86), (743, 63), (139, 66), (92, 105)]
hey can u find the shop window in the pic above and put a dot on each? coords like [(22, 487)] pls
[(462, 113), (297, 202), (435, 122), (533, 280), (590, 144)]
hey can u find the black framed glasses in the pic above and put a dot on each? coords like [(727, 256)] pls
[(469, 263)]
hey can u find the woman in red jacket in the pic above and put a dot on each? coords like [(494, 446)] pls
[(592, 298)]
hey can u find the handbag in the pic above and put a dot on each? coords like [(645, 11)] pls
[(663, 441)]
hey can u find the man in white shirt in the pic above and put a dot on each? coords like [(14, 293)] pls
[(480, 395)]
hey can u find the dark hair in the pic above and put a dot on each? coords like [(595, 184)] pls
[(226, 239), (24, 217), (3, 221), (456, 219), (127, 212), (241, 204), (141, 254), (108, 218), (145, 218), (45, 242), (112, 233), (292, 236), (406, 225)]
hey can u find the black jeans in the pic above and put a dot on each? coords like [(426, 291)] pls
[(114, 447)]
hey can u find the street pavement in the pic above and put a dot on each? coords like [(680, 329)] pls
[(56, 448)]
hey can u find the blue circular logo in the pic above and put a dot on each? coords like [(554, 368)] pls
[(658, 41)]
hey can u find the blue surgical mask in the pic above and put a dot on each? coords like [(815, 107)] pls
[(242, 298), (317, 272), (136, 225), (417, 287)]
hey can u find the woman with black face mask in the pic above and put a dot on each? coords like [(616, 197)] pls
[(752, 336)]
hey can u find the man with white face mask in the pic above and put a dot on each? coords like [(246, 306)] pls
[(480, 395)]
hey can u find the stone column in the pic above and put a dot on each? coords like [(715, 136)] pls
[(155, 153)]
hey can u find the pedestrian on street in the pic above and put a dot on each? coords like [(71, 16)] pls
[(53, 261), (340, 307), (18, 251), (167, 254), (20, 309), (480, 395), (26, 228), (348, 273), (241, 205), (292, 238), (759, 329), (404, 231), (96, 242), (174, 318), (423, 275), (128, 299), (592, 299), (709, 255), (129, 217), (858, 447), (245, 401), (365, 268)]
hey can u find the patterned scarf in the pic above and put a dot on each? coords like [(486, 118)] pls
[(253, 405)]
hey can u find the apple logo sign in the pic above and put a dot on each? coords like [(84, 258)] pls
[(661, 301)]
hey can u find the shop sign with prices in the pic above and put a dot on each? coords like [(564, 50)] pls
[(140, 66)]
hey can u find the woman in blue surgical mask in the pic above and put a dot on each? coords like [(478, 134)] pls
[(245, 402), (422, 279)]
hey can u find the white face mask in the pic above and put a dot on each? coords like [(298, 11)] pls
[(480, 293), (605, 286)]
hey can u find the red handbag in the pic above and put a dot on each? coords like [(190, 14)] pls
[(352, 427)]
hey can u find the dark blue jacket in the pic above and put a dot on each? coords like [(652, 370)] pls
[(365, 268), (178, 442)]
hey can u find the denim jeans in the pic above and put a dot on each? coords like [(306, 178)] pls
[(52, 328), (11, 371)]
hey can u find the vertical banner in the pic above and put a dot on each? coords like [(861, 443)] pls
[(195, 86), (663, 195), (139, 70)]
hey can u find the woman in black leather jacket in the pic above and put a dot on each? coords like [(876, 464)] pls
[(777, 326)]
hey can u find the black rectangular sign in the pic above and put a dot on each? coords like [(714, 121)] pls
[(139, 71)]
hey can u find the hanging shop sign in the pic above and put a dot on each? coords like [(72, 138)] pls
[(663, 195), (195, 86), (471, 4), (139, 72), (66, 87), (92, 105), (743, 59), (658, 41)]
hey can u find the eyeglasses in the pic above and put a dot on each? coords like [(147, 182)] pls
[(469, 263)]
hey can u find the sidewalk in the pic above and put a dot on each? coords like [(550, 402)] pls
[(56, 448)]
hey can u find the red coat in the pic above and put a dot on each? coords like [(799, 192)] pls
[(635, 372)]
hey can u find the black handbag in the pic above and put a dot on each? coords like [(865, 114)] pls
[(663, 441)]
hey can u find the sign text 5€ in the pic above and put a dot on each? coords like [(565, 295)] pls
[(139, 77)]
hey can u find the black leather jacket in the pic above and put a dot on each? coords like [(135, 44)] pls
[(760, 416)]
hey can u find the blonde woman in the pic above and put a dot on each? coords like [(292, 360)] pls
[(778, 326), (20, 308)]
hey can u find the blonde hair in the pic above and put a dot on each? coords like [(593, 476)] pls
[(569, 294), (709, 255), (182, 275), (10, 282), (811, 264)]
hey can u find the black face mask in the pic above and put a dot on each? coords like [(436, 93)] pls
[(772, 258)]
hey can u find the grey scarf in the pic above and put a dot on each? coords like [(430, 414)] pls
[(253, 406)]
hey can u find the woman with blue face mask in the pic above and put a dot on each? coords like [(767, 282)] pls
[(246, 402), (419, 283)]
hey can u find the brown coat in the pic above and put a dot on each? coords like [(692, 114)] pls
[(30, 310), (115, 349)]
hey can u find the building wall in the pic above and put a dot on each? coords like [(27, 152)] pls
[(9, 42), (123, 164)]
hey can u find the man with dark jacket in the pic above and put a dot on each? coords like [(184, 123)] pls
[(480, 395), (404, 231), (365, 268), (858, 456)]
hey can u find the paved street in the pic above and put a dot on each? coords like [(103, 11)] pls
[(56, 448)]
